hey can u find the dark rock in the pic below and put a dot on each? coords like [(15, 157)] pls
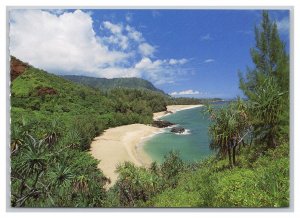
[(17, 67), (177, 129), (162, 123), (46, 91)]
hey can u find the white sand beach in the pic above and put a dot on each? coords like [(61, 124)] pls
[(173, 109), (120, 144)]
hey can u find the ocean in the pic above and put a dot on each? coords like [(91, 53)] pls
[(193, 145)]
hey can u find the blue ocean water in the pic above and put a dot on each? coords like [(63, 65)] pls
[(192, 146)]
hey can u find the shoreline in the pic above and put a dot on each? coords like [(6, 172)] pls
[(173, 109), (125, 143)]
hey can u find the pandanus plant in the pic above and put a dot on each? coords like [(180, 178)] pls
[(31, 164), (51, 137), (229, 127)]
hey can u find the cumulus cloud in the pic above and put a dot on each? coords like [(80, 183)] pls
[(117, 37), (158, 71), (66, 43), (59, 43), (133, 34), (114, 28), (283, 25), (56, 11), (186, 92), (146, 49)]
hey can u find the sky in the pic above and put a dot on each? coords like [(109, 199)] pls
[(190, 53)]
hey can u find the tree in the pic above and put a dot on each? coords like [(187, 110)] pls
[(230, 125), (267, 84)]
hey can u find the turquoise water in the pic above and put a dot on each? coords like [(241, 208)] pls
[(192, 147)]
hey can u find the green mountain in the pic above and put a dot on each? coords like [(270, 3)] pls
[(36, 93), (104, 84)]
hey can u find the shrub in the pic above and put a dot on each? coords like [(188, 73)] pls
[(136, 184)]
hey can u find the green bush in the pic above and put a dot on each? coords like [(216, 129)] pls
[(136, 185)]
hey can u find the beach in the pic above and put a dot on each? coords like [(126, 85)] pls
[(120, 144), (173, 109)]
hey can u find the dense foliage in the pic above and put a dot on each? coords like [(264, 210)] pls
[(54, 120), (267, 85), (262, 183), (53, 123), (53, 175)]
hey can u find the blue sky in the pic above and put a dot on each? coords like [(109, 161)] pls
[(193, 53)]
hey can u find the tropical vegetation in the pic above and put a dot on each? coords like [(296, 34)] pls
[(53, 121)]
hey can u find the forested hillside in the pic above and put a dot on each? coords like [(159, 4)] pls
[(106, 84), (53, 122)]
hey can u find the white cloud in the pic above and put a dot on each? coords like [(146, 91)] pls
[(117, 72), (67, 44), (158, 71), (133, 34), (208, 61), (117, 37), (186, 92), (206, 37), (146, 63), (59, 43), (56, 11), (178, 61), (114, 28), (283, 25), (146, 49)]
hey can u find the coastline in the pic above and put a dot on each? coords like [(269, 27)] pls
[(124, 143), (173, 109)]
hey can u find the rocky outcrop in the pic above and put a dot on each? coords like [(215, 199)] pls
[(17, 68), (177, 129), (162, 123), (46, 91)]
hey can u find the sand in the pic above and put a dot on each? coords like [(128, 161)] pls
[(122, 143), (119, 144), (173, 109)]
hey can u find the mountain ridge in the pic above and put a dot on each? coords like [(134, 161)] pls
[(106, 84)]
